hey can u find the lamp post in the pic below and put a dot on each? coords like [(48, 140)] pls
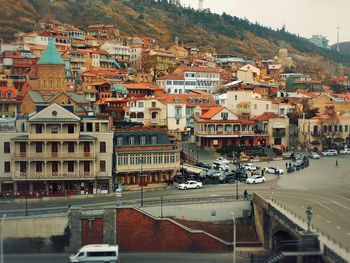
[(309, 217), (234, 237), (1, 239), (26, 194), (141, 179)]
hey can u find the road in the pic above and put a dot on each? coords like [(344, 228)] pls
[(322, 186), (135, 258)]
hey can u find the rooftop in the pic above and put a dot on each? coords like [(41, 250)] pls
[(51, 55)]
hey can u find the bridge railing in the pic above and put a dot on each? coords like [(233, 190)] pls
[(332, 248)]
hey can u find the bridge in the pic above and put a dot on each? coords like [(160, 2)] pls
[(290, 238)]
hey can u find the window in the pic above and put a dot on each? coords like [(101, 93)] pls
[(22, 167), (39, 147), (38, 128), (142, 140), (177, 122), (154, 104), (89, 127), (141, 104), (9, 95), (267, 106), (97, 127), (131, 140), (102, 166), (70, 167), (54, 129), (71, 147), (119, 140), (325, 128), (102, 147), (38, 167), (7, 148), (224, 115), (255, 106), (70, 128), (154, 139), (81, 127), (7, 167), (340, 128), (346, 128)]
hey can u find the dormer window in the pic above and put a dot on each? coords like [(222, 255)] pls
[(132, 140), (224, 115), (143, 140)]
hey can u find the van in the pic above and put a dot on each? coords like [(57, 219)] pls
[(97, 253)]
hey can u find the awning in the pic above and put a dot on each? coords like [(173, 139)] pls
[(193, 169)]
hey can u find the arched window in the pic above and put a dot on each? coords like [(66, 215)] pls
[(140, 115), (132, 115), (131, 140), (58, 83), (119, 140), (51, 84)]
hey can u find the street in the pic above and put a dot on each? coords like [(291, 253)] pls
[(134, 258)]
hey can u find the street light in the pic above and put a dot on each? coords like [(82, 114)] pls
[(234, 237), (1, 240), (309, 216)]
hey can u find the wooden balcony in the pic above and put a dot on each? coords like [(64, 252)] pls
[(225, 133), (52, 175)]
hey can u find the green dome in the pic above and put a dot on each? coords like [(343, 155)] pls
[(51, 55)]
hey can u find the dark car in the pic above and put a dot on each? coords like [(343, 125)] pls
[(230, 179), (203, 165)]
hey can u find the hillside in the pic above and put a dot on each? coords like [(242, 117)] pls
[(344, 48), (224, 33)]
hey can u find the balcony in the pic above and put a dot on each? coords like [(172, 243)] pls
[(227, 133), (52, 175), (34, 156), (148, 167), (154, 121)]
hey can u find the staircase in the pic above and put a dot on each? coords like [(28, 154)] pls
[(275, 258)]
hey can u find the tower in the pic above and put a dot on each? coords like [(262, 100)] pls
[(338, 38), (200, 5)]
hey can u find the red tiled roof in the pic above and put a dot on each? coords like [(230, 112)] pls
[(143, 86), (198, 69), (211, 112), (171, 77), (265, 116), (190, 99)]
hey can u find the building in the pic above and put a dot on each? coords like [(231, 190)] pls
[(248, 74), (55, 153), (185, 79), (9, 103), (220, 127), (50, 71), (145, 156), (326, 101), (325, 131), (319, 40)]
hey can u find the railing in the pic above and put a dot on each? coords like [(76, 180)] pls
[(226, 133), (154, 121), (53, 155), (52, 175)]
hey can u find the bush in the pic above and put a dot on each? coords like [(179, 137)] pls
[(277, 151), (59, 242)]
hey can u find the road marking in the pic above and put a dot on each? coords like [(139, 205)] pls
[(337, 227), (328, 221)]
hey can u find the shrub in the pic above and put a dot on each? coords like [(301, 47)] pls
[(277, 151)]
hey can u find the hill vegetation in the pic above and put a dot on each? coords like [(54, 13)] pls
[(344, 48), (163, 21)]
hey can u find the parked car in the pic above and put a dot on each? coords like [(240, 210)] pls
[(203, 165), (190, 185), (230, 178), (345, 151), (222, 160), (273, 170), (330, 152), (296, 156), (255, 180), (220, 166), (250, 167), (314, 155)]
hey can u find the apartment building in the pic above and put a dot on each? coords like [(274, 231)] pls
[(145, 156), (58, 153)]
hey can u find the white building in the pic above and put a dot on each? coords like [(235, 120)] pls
[(120, 50), (186, 79)]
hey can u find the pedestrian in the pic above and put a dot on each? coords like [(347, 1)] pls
[(262, 172), (286, 165), (336, 163), (245, 195)]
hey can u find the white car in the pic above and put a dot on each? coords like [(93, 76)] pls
[(314, 155), (345, 151), (330, 152), (250, 167), (190, 185), (255, 180), (220, 166), (273, 169), (222, 160)]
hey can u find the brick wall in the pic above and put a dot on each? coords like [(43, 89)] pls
[(137, 231)]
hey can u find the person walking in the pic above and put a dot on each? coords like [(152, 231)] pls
[(336, 163), (245, 195), (286, 165)]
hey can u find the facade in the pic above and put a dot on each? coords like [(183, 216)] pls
[(326, 101), (145, 156), (325, 131), (59, 153), (220, 127), (9, 104), (185, 79), (248, 73), (149, 111)]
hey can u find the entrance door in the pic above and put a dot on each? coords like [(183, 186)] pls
[(92, 231), (86, 149)]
